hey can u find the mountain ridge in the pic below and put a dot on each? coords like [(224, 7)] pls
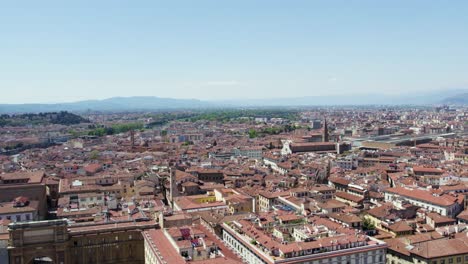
[(461, 99), (153, 103)]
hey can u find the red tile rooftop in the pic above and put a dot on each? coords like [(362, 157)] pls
[(265, 240), (401, 226), (160, 244), (226, 252), (289, 217), (271, 195), (438, 219), (444, 200), (428, 170), (349, 197), (339, 180), (33, 177), (441, 248), (186, 203)]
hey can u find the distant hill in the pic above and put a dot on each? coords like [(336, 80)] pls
[(460, 99), (62, 118), (419, 98), (116, 104), (151, 103)]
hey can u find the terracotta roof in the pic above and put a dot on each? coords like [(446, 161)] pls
[(428, 170), (271, 195), (9, 208), (289, 217), (346, 218), (349, 197), (422, 195), (157, 240), (437, 218), (331, 204), (33, 177), (463, 215), (380, 211), (441, 248), (338, 180), (401, 226)]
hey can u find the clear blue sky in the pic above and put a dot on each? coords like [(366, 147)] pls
[(54, 51)]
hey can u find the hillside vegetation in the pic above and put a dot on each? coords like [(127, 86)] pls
[(61, 118)]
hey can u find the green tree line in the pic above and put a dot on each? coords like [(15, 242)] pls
[(115, 129)]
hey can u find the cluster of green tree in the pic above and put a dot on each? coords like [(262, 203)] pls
[(114, 129), (367, 225), (76, 134), (16, 146), (272, 130), (66, 118), (225, 115), (62, 118), (160, 119), (220, 115), (253, 133), (187, 143)]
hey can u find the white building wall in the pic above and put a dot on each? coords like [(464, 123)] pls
[(376, 256), (150, 257), (445, 211), (244, 252), (28, 216)]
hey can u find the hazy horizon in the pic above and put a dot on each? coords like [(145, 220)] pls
[(55, 52), (246, 99)]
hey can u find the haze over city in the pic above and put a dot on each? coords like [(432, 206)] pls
[(256, 132), (219, 50)]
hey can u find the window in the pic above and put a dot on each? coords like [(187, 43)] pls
[(451, 260)]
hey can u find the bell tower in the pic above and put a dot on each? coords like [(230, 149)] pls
[(325, 131), (173, 186)]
